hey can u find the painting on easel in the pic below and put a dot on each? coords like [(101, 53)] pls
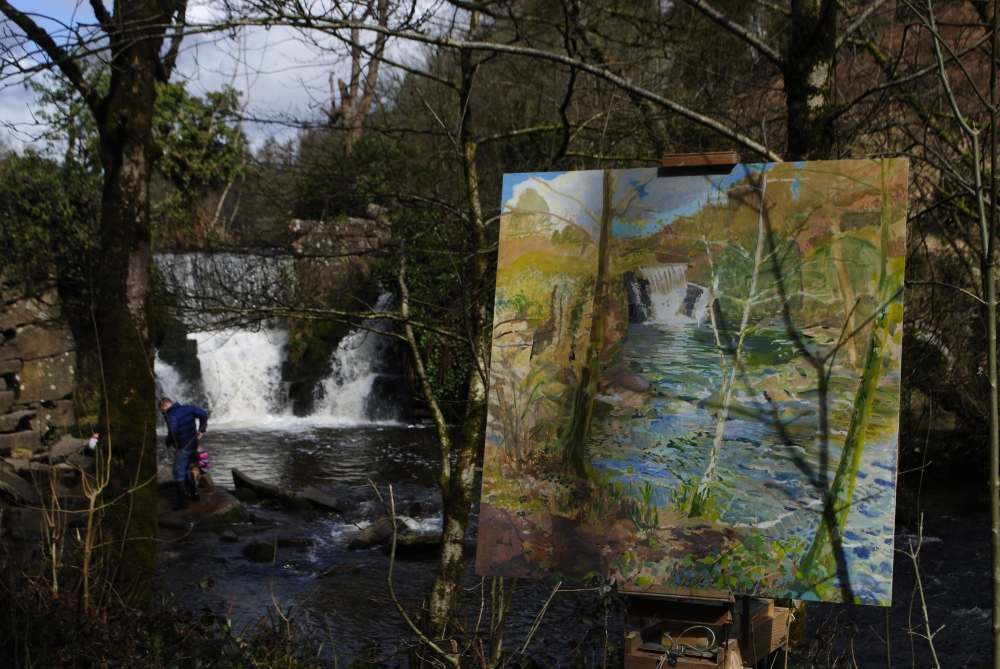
[(695, 380)]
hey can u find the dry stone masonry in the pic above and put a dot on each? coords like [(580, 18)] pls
[(37, 373)]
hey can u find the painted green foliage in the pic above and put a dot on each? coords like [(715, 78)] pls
[(694, 379)]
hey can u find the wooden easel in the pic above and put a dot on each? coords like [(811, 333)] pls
[(746, 630)]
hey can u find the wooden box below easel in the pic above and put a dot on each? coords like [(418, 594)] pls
[(672, 632)]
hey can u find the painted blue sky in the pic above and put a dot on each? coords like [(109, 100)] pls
[(647, 202)]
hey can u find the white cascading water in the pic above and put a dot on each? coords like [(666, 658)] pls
[(241, 373), (354, 368), (241, 368), (169, 382), (667, 290)]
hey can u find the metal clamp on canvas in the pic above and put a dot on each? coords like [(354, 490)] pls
[(695, 380)]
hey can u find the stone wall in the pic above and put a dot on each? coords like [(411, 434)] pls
[(37, 371), (336, 257)]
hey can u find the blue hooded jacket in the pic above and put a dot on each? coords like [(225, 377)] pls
[(181, 430)]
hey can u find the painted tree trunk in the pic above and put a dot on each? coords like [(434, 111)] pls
[(701, 496), (825, 559), (574, 439), (846, 291)]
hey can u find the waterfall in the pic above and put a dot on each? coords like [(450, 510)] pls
[(355, 366), (674, 301), (664, 279), (241, 367), (170, 383), (241, 373)]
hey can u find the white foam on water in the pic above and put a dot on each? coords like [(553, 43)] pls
[(354, 367), (241, 372)]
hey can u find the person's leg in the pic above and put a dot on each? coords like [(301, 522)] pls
[(181, 464), (180, 472)]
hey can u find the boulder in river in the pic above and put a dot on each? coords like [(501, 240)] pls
[(321, 500), (411, 542), (293, 501), (381, 531), (261, 489), (216, 507), (261, 550)]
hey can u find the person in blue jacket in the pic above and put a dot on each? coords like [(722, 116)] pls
[(185, 425)]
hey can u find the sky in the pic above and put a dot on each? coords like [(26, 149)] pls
[(577, 196), (283, 79)]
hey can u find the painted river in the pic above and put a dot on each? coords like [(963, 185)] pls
[(773, 463)]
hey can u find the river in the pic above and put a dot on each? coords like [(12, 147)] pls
[(352, 438)]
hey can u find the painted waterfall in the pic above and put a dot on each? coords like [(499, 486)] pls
[(695, 380)]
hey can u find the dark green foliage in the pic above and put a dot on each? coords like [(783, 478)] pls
[(332, 185), (48, 218)]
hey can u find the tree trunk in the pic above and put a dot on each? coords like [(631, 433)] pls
[(807, 68), (124, 317), (456, 489), (574, 439)]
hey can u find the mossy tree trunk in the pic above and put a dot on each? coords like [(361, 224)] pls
[(574, 439), (135, 32), (457, 481), (825, 558)]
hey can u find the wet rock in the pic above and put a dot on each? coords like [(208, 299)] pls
[(261, 489), (261, 550), (16, 490), (410, 542), (380, 531), (293, 501), (56, 414), (229, 536), (66, 473), (415, 510), (216, 507), (257, 519), (11, 350), (245, 495), (285, 542), (19, 466), (322, 500)]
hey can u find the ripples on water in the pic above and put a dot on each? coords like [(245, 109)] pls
[(955, 558)]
